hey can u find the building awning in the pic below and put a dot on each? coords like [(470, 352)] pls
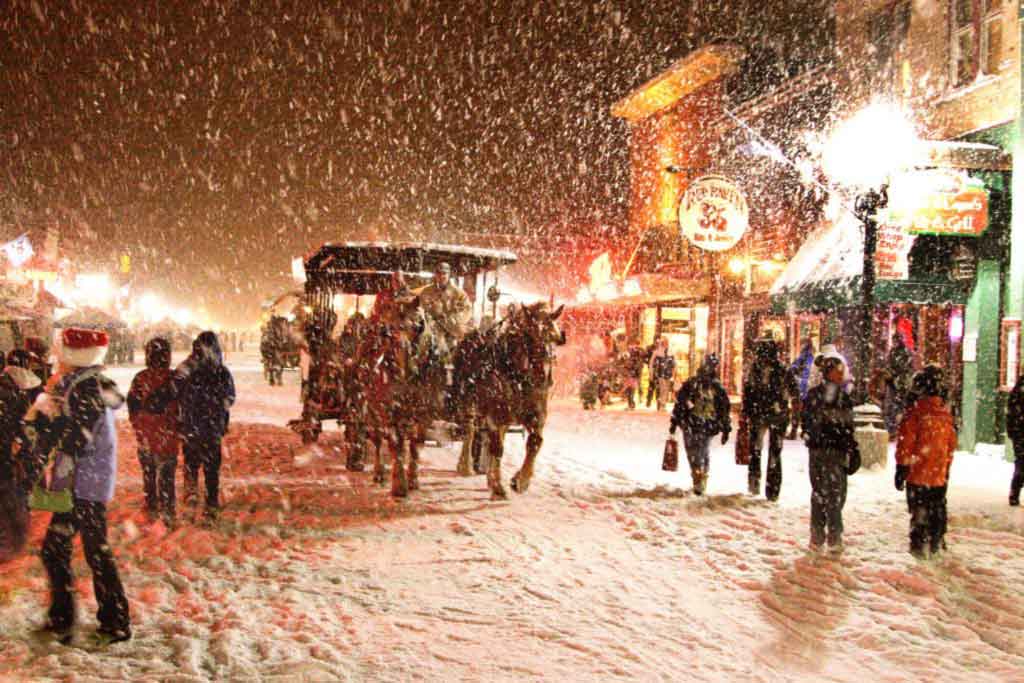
[(651, 289), (826, 274)]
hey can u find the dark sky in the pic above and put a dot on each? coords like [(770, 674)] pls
[(212, 140)]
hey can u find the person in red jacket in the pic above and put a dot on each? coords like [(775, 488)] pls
[(156, 424), (924, 453)]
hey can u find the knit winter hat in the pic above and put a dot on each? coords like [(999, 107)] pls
[(81, 348)]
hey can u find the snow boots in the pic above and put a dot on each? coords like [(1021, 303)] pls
[(700, 481)]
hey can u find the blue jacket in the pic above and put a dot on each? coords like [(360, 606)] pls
[(84, 434), (801, 368)]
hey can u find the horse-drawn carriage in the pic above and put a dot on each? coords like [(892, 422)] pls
[(279, 348), (395, 372)]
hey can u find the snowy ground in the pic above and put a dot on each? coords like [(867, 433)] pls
[(608, 569)]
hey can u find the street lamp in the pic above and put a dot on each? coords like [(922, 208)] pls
[(863, 153), (866, 208)]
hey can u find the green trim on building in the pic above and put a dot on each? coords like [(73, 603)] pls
[(981, 375), (831, 294)]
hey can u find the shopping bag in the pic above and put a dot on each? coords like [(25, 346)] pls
[(743, 441), (670, 458)]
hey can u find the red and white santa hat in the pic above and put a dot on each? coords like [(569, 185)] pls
[(82, 348)]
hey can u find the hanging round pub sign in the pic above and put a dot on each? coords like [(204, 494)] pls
[(713, 213)]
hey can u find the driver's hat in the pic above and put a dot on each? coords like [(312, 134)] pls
[(443, 267)]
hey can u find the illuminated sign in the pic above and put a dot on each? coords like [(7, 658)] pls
[(938, 202), (713, 213)]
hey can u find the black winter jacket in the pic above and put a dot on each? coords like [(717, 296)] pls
[(684, 414), (768, 391), (829, 426)]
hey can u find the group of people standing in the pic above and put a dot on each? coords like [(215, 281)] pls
[(59, 445), (813, 396)]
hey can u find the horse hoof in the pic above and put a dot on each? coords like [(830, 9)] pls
[(399, 493), (514, 484), (378, 478), (499, 495)]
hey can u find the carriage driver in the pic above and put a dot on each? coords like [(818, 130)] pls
[(447, 305)]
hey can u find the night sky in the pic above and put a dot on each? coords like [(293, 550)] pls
[(212, 140)]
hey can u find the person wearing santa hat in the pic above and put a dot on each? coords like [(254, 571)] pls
[(75, 419)]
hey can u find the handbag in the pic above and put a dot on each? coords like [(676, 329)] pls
[(44, 497), (670, 458), (47, 499)]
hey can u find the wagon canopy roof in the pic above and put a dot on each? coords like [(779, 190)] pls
[(365, 267)]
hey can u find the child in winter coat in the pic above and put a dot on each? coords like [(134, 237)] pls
[(828, 424), (924, 453), (76, 421), (156, 429)]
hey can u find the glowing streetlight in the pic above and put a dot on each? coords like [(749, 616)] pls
[(862, 154)]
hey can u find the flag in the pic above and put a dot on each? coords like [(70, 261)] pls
[(18, 250)]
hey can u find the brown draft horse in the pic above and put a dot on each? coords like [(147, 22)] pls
[(403, 362), (511, 376)]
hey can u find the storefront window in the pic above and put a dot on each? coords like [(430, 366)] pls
[(732, 354)]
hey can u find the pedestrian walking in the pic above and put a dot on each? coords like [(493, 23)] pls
[(76, 421), (662, 371), (801, 369), (16, 471), (1015, 430), (767, 394), (701, 410), (205, 391), (155, 421), (924, 454), (899, 374), (833, 452)]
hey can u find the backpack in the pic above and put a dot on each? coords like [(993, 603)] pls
[(53, 493)]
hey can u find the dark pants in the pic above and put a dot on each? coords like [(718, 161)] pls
[(776, 432), (827, 469), (697, 448), (205, 453), (89, 519), (1018, 471), (927, 505), (158, 483)]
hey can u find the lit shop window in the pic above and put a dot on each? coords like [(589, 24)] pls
[(977, 39)]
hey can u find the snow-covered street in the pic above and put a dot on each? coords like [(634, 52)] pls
[(607, 569)]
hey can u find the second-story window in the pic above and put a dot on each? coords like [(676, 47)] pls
[(977, 39)]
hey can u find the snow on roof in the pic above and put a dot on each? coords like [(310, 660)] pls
[(834, 252), (480, 252)]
